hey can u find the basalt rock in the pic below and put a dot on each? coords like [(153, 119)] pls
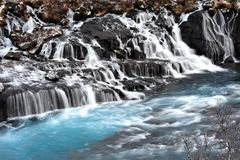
[(13, 55), (17, 9), (32, 42), (236, 37), (108, 31), (52, 76), (195, 34)]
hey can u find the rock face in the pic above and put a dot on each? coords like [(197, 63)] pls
[(236, 37), (109, 32), (213, 32), (31, 42)]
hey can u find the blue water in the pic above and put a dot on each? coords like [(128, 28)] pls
[(146, 129)]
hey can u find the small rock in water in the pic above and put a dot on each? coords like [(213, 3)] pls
[(52, 76), (1, 87), (230, 59), (13, 56)]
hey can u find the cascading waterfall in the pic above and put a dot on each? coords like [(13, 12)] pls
[(87, 74), (217, 30), (158, 47)]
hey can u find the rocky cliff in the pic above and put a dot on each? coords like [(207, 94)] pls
[(214, 31)]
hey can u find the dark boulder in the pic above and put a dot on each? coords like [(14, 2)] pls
[(13, 55), (135, 46), (109, 32), (236, 37), (195, 33), (164, 22), (229, 59), (17, 9), (82, 13)]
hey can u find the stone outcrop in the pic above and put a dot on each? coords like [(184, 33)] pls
[(31, 42), (195, 31), (15, 55)]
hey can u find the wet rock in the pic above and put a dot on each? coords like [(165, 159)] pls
[(32, 42), (18, 9), (2, 14), (13, 55), (193, 34), (208, 4), (132, 14), (109, 32), (82, 13), (52, 76), (73, 49), (133, 86), (230, 59), (236, 37), (136, 48), (64, 22), (163, 22)]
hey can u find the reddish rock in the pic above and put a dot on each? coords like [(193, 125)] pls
[(31, 42), (32, 3), (53, 12)]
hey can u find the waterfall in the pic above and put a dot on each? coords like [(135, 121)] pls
[(158, 47), (217, 31), (119, 59), (29, 25)]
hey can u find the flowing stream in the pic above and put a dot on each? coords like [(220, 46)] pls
[(143, 129)]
